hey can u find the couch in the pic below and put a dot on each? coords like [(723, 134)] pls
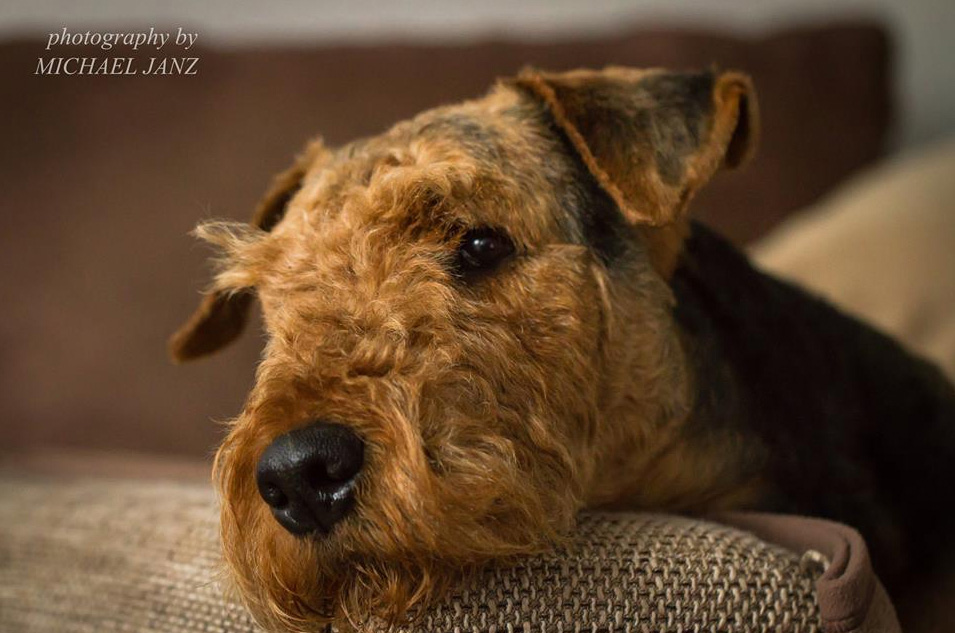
[(106, 520)]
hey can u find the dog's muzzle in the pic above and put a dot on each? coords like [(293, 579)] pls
[(307, 476)]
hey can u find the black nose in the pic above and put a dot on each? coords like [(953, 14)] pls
[(308, 476)]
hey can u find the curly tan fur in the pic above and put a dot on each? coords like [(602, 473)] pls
[(494, 410)]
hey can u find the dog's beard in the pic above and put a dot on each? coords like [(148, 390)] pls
[(299, 585), (412, 535), (296, 584)]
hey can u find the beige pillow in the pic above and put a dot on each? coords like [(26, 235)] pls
[(882, 248)]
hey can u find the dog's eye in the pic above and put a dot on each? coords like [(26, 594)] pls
[(482, 249)]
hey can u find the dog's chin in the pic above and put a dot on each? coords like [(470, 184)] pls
[(350, 593), (347, 578), (301, 584)]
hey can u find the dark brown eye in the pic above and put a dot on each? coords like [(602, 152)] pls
[(482, 249)]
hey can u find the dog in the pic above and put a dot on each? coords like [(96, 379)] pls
[(499, 312)]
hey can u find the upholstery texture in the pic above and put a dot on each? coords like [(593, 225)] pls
[(104, 556)]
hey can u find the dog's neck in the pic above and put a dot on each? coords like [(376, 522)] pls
[(689, 455)]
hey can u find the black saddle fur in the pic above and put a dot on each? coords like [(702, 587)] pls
[(842, 421)]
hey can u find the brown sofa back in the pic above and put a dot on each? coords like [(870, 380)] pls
[(103, 177)]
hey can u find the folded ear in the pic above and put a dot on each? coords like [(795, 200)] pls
[(652, 138), (221, 315)]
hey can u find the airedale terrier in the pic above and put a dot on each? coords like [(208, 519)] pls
[(498, 313)]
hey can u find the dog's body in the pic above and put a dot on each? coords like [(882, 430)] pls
[(841, 422), (498, 313)]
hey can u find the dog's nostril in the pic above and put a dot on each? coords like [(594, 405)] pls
[(339, 470), (320, 478), (274, 496), (307, 476)]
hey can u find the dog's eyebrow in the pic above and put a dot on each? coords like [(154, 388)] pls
[(479, 139)]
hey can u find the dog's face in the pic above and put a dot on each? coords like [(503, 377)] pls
[(469, 334)]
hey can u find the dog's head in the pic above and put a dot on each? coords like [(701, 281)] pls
[(469, 333)]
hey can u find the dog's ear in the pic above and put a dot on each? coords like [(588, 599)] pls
[(222, 314), (652, 138)]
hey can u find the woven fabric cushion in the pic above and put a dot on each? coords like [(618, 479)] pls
[(95, 555)]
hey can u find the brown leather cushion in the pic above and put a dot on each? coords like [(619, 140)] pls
[(102, 177)]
